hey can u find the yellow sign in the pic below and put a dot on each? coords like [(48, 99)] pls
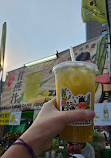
[(4, 118), (32, 85)]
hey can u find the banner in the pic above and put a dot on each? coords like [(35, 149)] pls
[(2, 47), (15, 118), (4, 118), (30, 87), (94, 10), (102, 114), (95, 52), (10, 118)]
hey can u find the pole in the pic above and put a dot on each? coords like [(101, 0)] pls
[(109, 49), (1, 86), (1, 80), (2, 54), (109, 38)]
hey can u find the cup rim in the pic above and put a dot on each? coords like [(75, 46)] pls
[(61, 65)]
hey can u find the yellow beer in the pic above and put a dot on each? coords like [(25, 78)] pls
[(75, 89)]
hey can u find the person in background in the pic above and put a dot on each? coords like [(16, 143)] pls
[(38, 137), (73, 148), (84, 149), (87, 150), (106, 135)]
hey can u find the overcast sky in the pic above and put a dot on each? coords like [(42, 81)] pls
[(37, 28)]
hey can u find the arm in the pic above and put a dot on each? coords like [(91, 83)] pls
[(48, 124)]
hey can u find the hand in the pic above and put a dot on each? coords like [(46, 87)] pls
[(49, 123)]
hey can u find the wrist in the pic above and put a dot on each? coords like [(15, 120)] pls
[(33, 139), (17, 151), (23, 143)]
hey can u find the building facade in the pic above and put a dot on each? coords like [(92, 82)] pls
[(93, 30)]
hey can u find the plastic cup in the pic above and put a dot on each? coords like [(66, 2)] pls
[(75, 89)]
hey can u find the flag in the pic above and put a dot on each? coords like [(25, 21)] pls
[(2, 47), (94, 10)]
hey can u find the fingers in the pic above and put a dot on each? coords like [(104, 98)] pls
[(51, 102), (77, 115), (67, 117)]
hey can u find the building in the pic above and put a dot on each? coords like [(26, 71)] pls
[(95, 29)]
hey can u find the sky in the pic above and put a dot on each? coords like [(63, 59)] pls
[(37, 28)]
